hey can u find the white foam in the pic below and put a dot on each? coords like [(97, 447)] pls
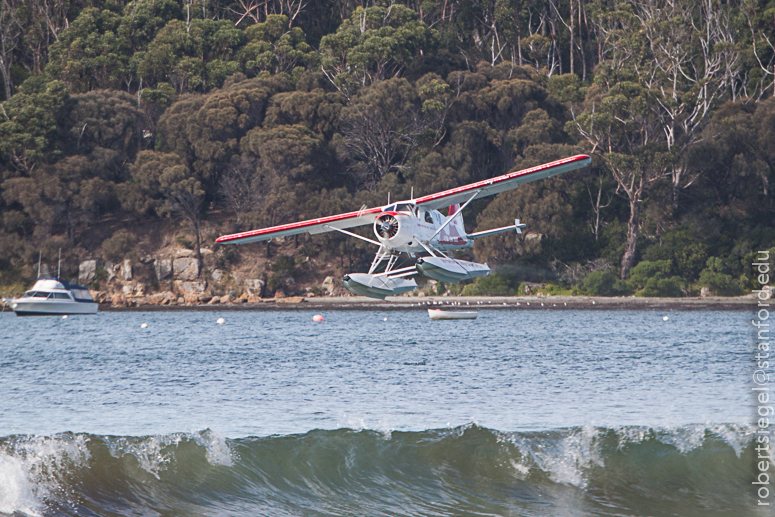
[(154, 456), (31, 466), (17, 492)]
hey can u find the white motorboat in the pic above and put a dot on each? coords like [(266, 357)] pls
[(439, 314), (53, 297)]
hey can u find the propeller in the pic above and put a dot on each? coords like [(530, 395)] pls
[(387, 226)]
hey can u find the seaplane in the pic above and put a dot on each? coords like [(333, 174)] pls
[(417, 228)]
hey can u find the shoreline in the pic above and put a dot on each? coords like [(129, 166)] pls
[(739, 303)]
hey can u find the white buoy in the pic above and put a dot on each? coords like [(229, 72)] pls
[(384, 319), (542, 304), (64, 317), (665, 318), (593, 302), (144, 326), (220, 321), (317, 317)]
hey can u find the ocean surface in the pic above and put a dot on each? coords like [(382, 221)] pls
[(517, 413)]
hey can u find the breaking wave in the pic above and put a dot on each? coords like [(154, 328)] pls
[(468, 470)]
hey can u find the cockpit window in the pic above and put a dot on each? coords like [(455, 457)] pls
[(404, 207), (428, 218)]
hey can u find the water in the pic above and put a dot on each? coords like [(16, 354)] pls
[(371, 413)]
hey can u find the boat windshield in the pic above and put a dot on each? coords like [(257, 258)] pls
[(34, 294), (82, 295)]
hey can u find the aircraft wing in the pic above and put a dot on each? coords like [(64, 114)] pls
[(311, 226), (448, 197), (503, 183)]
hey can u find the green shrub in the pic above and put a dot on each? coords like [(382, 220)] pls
[(603, 283), (471, 290), (662, 287), (640, 274), (117, 247), (493, 285), (183, 241), (715, 278)]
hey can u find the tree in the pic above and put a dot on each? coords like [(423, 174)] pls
[(10, 31), (374, 44), (381, 128), (273, 47), (29, 124)]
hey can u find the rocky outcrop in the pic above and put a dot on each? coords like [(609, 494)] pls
[(190, 287), (87, 270), (217, 275), (126, 270), (254, 287), (186, 269), (328, 285), (163, 268), (290, 299)]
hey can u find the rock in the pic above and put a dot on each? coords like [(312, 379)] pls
[(240, 300), (183, 253), (214, 300), (140, 290), (279, 294), (254, 287), (156, 299), (226, 298), (127, 290), (109, 269), (185, 269), (142, 300), (328, 285), (243, 297), (205, 251), (87, 270), (191, 299), (147, 259), (421, 294), (163, 268), (290, 299), (290, 281), (181, 299), (204, 298), (126, 270), (117, 299), (190, 287), (704, 292), (217, 275), (254, 299)]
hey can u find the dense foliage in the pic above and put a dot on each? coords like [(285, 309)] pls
[(283, 109)]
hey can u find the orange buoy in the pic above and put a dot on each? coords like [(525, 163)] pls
[(317, 317)]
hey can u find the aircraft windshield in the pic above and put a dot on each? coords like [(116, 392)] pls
[(405, 207)]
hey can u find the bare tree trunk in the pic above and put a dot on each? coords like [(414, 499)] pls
[(630, 246)]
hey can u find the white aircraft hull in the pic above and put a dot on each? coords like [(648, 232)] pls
[(450, 270), (375, 286)]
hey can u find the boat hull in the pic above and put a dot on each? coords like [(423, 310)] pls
[(438, 314), (52, 308)]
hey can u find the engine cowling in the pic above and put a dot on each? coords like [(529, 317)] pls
[(393, 229)]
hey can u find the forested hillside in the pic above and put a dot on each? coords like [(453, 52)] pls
[(129, 126)]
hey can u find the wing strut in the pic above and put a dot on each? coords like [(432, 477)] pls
[(450, 217), (351, 234)]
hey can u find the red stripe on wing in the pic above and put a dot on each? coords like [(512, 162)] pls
[(298, 226), (500, 179)]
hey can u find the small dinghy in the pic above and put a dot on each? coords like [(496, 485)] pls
[(439, 314)]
